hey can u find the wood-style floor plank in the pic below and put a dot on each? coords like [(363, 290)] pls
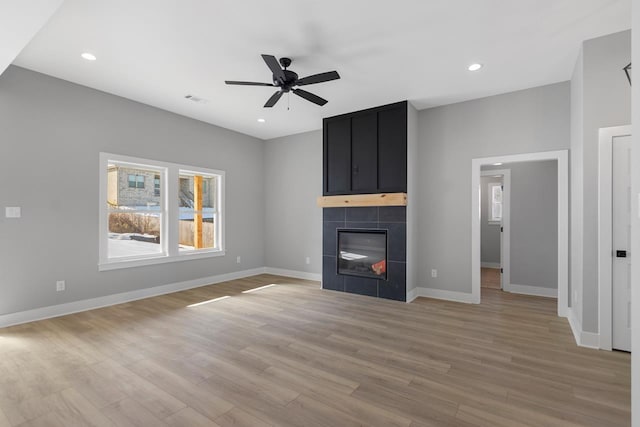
[(294, 355)]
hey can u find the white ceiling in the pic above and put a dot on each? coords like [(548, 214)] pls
[(20, 20), (156, 52)]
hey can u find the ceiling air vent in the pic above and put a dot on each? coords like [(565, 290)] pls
[(196, 99)]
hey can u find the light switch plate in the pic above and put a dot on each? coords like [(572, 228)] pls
[(12, 212)]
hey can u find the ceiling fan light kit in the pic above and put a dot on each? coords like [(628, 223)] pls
[(288, 81)]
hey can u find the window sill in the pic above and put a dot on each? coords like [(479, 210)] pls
[(162, 259)]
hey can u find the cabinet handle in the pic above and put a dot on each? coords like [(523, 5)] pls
[(355, 169)]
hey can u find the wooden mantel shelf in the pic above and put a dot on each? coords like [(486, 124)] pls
[(361, 200)]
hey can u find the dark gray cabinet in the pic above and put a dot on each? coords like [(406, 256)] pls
[(365, 152)]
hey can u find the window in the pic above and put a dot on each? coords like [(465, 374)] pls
[(136, 181), (495, 202), (197, 210), (173, 222)]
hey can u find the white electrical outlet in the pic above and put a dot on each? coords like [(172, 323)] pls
[(307, 260), (238, 260), (60, 286), (434, 273), (12, 212)]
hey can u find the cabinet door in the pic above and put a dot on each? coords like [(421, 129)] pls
[(337, 146), (364, 152), (392, 150)]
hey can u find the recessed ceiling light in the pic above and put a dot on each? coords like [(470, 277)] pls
[(261, 120), (89, 56), (474, 67), (497, 164)]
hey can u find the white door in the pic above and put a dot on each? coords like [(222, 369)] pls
[(621, 278)]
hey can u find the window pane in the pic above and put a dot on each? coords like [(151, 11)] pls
[(134, 215), (134, 233), (197, 199)]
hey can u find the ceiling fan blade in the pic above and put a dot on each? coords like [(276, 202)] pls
[(274, 66), (233, 82), (274, 98), (318, 78), (310, 97)]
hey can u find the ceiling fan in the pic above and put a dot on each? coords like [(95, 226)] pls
[(287, 80)]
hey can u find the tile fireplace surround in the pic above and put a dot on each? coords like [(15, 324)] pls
[(390, 218)]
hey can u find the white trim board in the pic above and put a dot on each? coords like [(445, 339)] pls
[(562, 157), (108, 300), (537, 291), (293, 273), (444, 295), (583, 339), (490, 265), (605, 225), (412, 294)]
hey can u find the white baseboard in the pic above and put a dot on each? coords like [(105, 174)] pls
[(583, 339), (412, 294), (93, 303), (293, 273), (531, 290), (490, 264), (445, 295)]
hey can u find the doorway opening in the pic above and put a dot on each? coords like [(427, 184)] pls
[(495, 185), (560, 244)]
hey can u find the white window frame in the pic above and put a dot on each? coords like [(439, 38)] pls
[(490, 218), (169, 181)]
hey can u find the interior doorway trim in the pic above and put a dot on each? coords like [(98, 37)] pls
[(605, 225), (562, 157), (505, 247)]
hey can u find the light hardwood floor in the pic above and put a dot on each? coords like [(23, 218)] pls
[(294, 355), (490, 278)]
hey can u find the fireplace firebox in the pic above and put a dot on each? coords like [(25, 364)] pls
[(362, 253)]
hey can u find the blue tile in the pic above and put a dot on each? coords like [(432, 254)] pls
[(333, 214), (369, 214), (395, 287), (365, 225), (330, 277), (361, 286), (396, 240), (393, 214), (329, 239)]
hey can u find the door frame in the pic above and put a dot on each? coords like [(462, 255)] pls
[(605, 225), (505, 239), (562, 157)]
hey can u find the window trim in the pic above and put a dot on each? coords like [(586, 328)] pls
[(169, 175)]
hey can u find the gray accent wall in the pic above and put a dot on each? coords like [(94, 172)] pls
[(292, 219), (489, 233), (451, 136), (602, 98), (52, 134)]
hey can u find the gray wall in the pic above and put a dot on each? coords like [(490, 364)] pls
[(534, 223), (451, 136), (489, 233), (606, 101), (292, 220), (52, 132), (576, 192)]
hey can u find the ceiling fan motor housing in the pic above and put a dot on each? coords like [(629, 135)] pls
[(289, 81)]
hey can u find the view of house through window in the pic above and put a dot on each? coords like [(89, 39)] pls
[(197, 199), (134, 211)]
